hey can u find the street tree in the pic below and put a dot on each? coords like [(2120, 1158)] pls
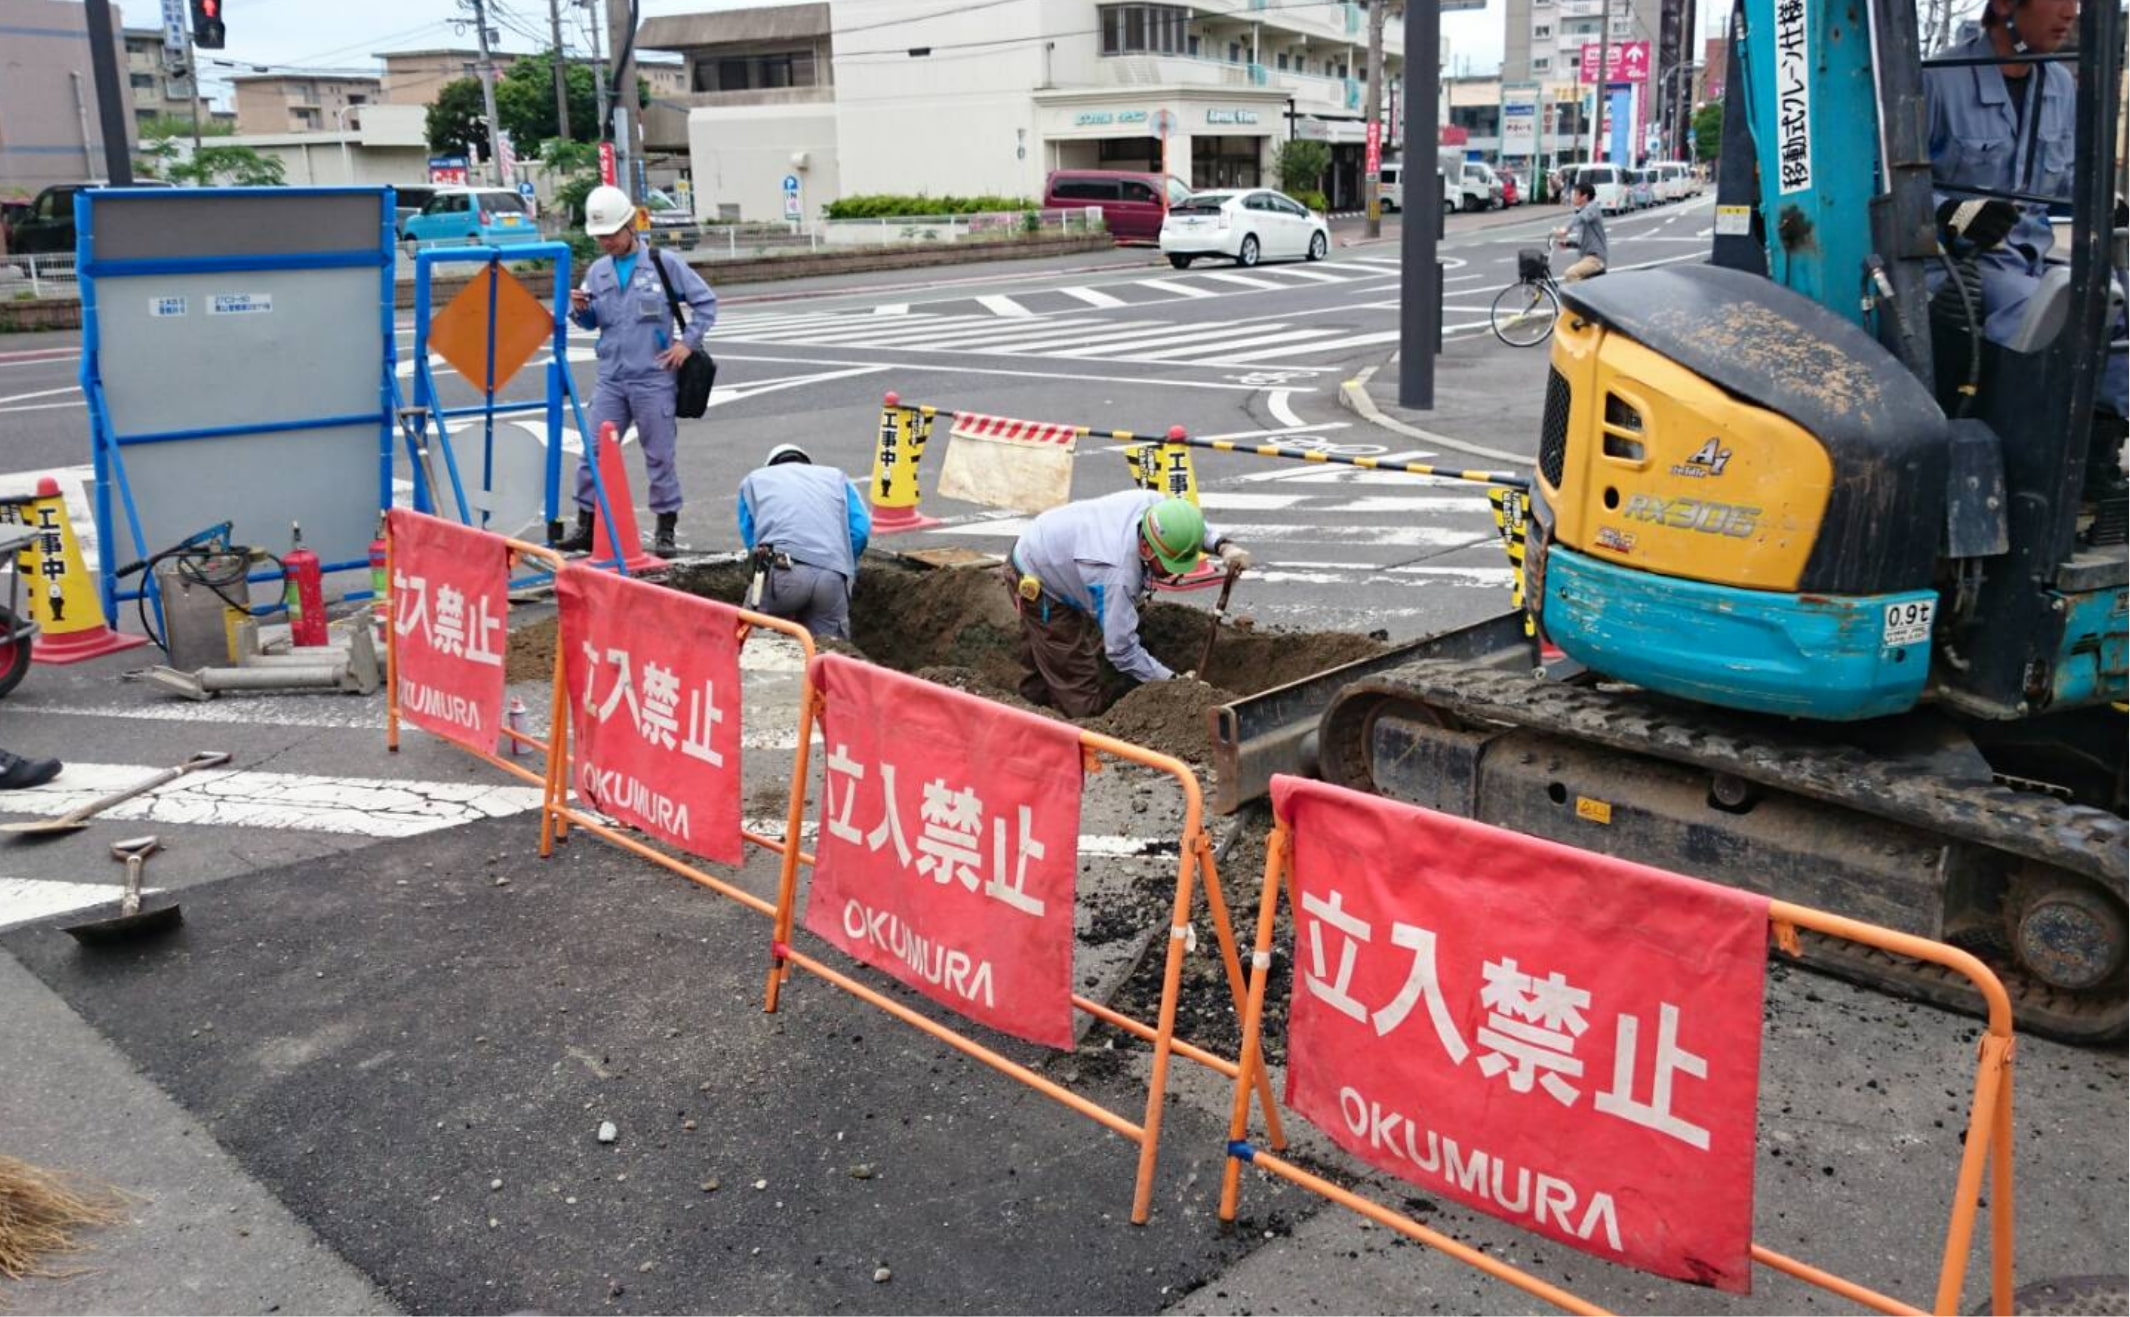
[(454, 124), (1708, 132), (1301, 164), (210, 166)]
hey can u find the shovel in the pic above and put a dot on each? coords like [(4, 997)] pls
[(1220, 610), (131, 921), (79, 819)]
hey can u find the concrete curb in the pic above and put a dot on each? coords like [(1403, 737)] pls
[(1353, 395)]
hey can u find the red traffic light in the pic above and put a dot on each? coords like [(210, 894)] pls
[(207, 24)]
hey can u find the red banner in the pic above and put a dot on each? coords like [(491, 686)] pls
[(606, 163), (450, 600), (950, 836), (654, 705), (1564, 1040)]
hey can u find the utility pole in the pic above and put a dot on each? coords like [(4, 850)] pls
[(604, 127), (110, 111), (1420, 296), (1378, 10), (488, 86), (621, 36), (554, 23), (1600, 81)]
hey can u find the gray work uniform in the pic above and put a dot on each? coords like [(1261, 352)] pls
[(812, 517), (1981, 137), (635, 324), (1086, 555)]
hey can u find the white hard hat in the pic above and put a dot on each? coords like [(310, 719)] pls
[(787, 453), (607, 210)]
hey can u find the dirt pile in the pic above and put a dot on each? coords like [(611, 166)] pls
[(531, 655), (1170, 717)]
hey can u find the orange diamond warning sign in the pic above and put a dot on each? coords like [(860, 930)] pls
[(461, 332)]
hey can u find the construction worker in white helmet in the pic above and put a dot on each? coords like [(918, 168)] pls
[(624, 297), (806, 527), (1077, 575)]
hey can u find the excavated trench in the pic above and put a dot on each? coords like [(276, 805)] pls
[(956, 626)]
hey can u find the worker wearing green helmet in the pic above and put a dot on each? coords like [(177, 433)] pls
[(1078, 574)]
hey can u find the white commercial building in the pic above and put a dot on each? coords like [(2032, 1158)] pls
[(854, 97)]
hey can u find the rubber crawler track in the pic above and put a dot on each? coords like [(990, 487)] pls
[(2087, 843)]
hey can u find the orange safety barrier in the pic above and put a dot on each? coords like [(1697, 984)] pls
[(520, 552), (558, 815), (1988, 1144), (1195, 859)]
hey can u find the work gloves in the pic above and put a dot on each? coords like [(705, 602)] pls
[(1985, 224), (1234, 557)]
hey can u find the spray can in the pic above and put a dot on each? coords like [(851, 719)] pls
[(514, 719), (378, 585), (303, 592)]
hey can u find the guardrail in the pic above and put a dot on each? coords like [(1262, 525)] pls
[(735, 242)]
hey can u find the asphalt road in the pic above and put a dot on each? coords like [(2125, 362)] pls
[(383, 1004)]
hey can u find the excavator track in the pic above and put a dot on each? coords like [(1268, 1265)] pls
[(2090, 845)]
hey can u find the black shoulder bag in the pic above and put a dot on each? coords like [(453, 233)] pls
[(698, 374)]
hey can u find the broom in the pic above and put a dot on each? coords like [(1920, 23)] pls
[(39, 1214)]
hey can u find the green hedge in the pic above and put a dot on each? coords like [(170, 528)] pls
[(1316, 201), (895, 207)]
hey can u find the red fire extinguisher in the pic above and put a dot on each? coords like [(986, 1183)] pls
[(303, 593), (378, 585)]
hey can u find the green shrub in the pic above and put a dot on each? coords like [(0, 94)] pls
[(894, 206), (1316, 201)]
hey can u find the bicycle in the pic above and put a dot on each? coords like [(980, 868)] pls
[(1522, 315)]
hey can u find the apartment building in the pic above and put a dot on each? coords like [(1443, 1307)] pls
[(270, 103), (1547, 42), (49, 129), (413, 77), (897, 96)]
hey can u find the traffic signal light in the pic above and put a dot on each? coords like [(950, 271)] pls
[(207, 24)]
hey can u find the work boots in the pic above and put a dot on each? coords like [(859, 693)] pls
[(17, 773), (662, 543), (579, 540)]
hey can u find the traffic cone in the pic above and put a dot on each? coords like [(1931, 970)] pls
[(904, 431), (63, 599), (624, 542)]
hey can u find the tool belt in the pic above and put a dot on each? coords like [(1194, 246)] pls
[(765, 559)]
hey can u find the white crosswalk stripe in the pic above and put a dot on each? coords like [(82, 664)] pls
[(1093, 296)]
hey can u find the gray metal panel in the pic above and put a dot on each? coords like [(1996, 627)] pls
[(184, 352), (202, 223), (325, 479)]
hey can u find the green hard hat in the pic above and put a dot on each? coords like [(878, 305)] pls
[(1173, 529)]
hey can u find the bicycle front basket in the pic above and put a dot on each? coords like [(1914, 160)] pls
[(1531, 264)]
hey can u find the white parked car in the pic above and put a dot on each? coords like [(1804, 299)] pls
[(1246, 225)]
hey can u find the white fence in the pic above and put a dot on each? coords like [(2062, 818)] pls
[(736, 242), (26, 277)]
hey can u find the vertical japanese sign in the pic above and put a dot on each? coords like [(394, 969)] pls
[(1564, 1040), (450, 597), (654, 704), (1793, 97), (904, 431), (949, 845), (1374, 160), (606, 163)]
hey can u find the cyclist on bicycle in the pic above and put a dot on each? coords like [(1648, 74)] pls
[(1585, 231)]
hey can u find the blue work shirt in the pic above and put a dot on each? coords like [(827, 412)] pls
[(1981, 137), (634, 319), (811, 514), (1086, 555)]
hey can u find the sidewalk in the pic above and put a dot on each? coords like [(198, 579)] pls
[(1489, 401)]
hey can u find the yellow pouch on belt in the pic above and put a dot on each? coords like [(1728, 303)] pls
[(1031, 589)]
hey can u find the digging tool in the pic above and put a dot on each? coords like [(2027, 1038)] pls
[(1220, 610), (78, 819), (131, 921)]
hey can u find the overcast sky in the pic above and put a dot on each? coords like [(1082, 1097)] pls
[(322, 34)]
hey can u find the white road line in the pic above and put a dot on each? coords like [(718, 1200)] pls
[(959, 368), (1356, 341), (359, 806), (1282, 409), (41, 393), (1000, 305), (862, 326), (1304, 272), (1492, 578), (1220, 346), (1176, 289), (892, 309), (1223, 501), (44, 406), (1389, 537), (1119, 344), (1246, 281), (1037, 333), (27, 900), (1093, 296)]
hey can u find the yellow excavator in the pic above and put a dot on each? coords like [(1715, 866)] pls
[(1838, 580)]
